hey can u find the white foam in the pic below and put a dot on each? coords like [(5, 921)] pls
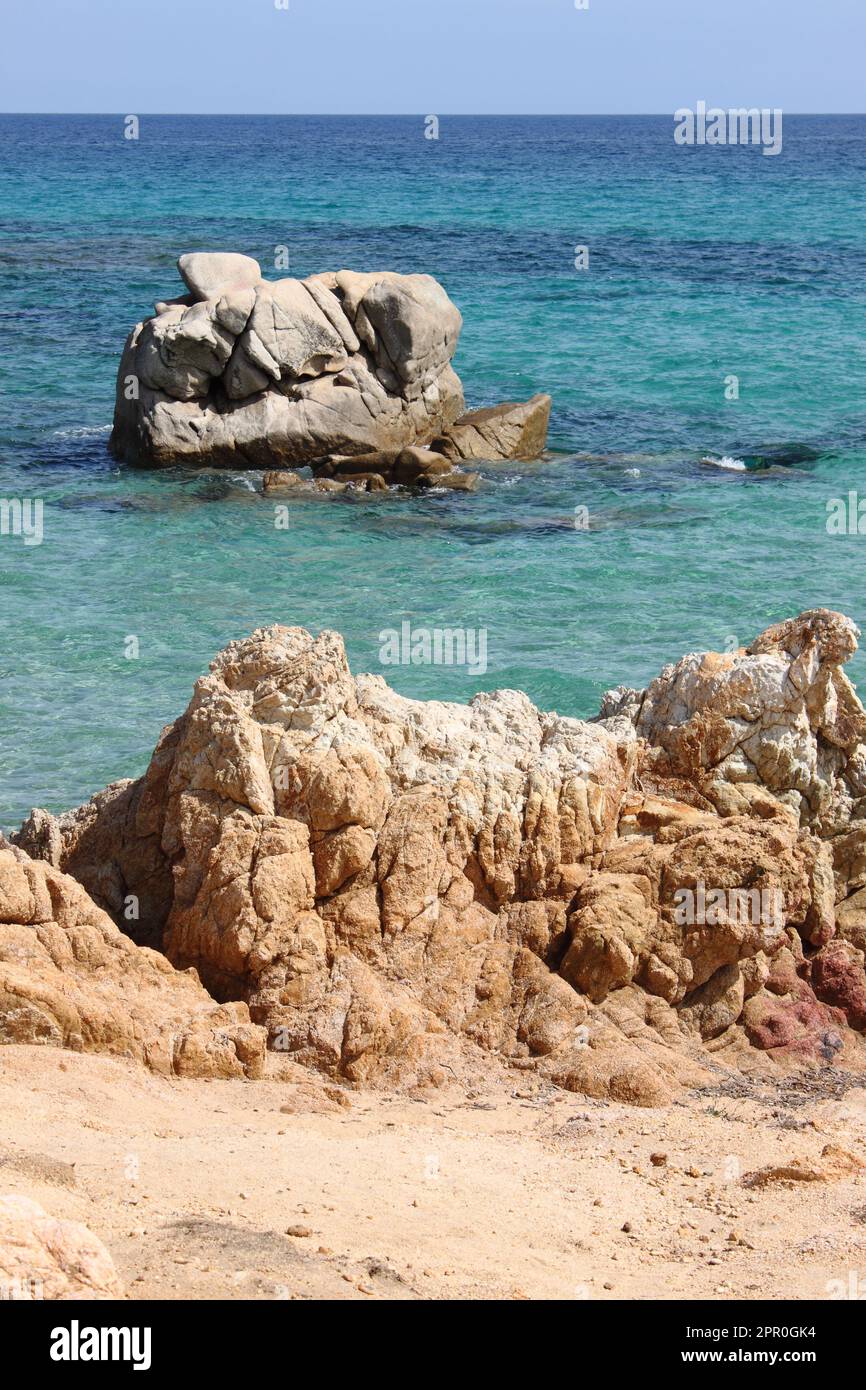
[(735, 465), (82, 432)]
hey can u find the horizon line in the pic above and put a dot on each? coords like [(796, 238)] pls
[(415, 115)]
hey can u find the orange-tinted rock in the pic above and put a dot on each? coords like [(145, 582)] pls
[(69, 978), (391, 885)]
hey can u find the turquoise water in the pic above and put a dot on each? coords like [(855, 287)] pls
[(703, 263)]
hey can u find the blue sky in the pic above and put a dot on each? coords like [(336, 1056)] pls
[(423, 56)]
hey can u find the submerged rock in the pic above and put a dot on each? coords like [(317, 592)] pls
[(285, 480), (290, 481), (411, 467), (391, 885)]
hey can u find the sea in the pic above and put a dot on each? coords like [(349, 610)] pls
[(698, 315)]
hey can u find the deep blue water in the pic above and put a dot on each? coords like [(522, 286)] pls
[(703, 263)]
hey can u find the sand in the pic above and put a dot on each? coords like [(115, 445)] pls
[(509, 1190)]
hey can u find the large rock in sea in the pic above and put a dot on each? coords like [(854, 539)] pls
[(244, 371), (394, 887)]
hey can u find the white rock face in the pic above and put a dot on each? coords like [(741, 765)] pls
[(251, 372), (210, 273), (781, 714)]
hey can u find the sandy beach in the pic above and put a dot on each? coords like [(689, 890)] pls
[(506, 1191)]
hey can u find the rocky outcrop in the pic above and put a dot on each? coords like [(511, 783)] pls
[(778, 717), (413, 467), (69, 978), (247, 372), (624, 906), (42, 1258), (244, 371), (515, 430)]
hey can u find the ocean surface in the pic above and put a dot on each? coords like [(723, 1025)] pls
[(704, 263)]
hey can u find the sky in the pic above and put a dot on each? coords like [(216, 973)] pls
[(430, 56)]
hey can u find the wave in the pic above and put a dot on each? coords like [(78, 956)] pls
[(81, 432)]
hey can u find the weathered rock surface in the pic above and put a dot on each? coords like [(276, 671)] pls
[(41, 1258), (69, 978), (779, 716), (208, 275), (244, 371), (247, 372), (624, 906), (515, 430)]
